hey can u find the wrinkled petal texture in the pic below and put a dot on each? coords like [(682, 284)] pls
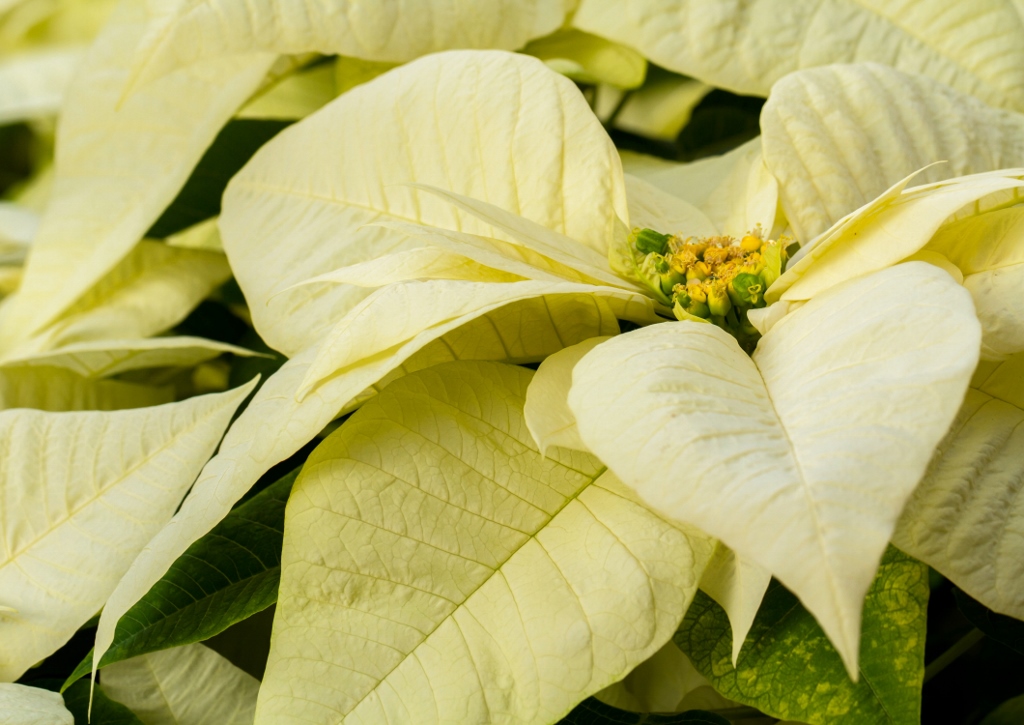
[(496, 127), (837, 137), (966, 519), (82, 493), (747, 46), (801, 458), (430, 551)]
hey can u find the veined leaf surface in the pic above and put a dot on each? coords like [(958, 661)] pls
[(190, 685), (837, 137), (786, 644), (534, 149), (225, 577), (430, 552), (745, 48), (83, 492), (525, 331), (966, 519)]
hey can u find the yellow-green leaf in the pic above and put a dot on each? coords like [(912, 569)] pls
[(659, 109), (789, 669), (56, 389), (430, 552), (295, 96), (190, 685), (83, 493), (801, 458), (587, 58)]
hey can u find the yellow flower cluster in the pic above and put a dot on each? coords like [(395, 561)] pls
[(715, 279)]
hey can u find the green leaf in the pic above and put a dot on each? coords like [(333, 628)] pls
[(1010, 712), (595, 712), (1003, 629), (104, 710), (225, 577), (788, 669), (199, 199)]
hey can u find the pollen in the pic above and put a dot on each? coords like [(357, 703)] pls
[(716, 278)]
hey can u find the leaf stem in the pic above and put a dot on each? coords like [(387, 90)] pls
[(947, 658)]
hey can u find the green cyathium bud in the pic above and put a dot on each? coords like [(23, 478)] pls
[(682, 313), (718, 300), (773, 263), (648, 241), (747, 290), (698, 309)]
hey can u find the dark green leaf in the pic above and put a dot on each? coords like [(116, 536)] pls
[(788, 668), (595, 712), (1003, 629), (1010, 712), (104, 710), (225, 577), (199, 199)]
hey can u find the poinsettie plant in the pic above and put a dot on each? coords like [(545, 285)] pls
[(767, 388)]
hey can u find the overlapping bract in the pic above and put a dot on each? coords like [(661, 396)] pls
[(746, 47), (446, 614), (83, 493), (484, 227), (802, 457)]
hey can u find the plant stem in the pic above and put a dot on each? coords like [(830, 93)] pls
[(947, 658)]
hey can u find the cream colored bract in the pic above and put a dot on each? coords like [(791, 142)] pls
[(746, 47)]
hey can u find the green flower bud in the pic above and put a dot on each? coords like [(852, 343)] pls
[(747, 290), (773, 263), (682, 312), (648, 241), (698, 309), (718, 300)]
